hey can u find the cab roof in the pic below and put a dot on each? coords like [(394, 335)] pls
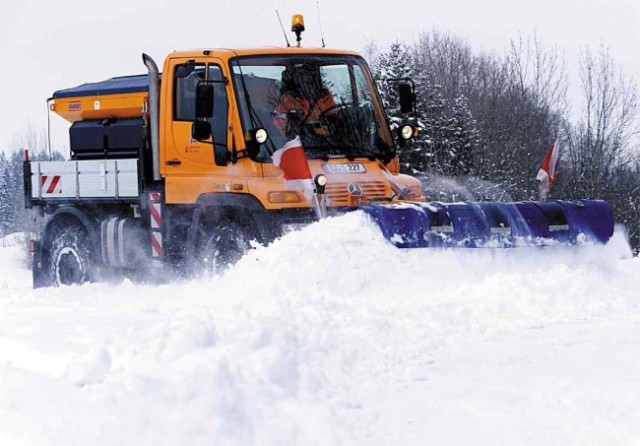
[(227, 53)]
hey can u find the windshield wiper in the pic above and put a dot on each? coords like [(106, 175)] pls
[(253, 115)]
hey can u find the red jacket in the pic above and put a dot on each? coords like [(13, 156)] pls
[(288, 102)]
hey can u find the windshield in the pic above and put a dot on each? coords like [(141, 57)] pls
[(326, 100)]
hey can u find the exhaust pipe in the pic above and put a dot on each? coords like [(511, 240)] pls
[(154, 110)]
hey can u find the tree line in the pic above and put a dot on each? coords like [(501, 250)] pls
[(486, 121)]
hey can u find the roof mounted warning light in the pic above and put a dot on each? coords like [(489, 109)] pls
[(297, 26)]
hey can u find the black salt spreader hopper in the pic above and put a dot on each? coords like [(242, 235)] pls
[(493, 225)]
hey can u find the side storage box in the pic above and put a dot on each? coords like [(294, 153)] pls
[(106, 138)]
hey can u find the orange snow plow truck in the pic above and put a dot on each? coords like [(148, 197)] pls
[(173, 171)]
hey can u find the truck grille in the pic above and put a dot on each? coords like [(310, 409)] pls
[(338, 193)]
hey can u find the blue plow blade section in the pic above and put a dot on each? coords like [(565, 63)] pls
[(498, 225)]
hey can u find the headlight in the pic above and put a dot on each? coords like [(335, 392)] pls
[(406, 132), (321, 180), (261, 136)]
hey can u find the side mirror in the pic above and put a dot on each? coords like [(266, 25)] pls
[(201, 130), (204, 100), (407, 97), (201, 127), (220, 156)]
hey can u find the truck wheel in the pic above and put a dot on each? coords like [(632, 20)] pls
[(71, 262), (224, 244)]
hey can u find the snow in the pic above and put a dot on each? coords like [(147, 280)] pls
[(332, 336)]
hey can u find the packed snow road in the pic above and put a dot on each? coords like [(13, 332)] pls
[(332, 336)]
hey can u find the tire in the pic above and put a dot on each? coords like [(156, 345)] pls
[(71, 260), (222, 245)]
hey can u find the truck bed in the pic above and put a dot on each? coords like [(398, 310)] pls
[(68, 181)]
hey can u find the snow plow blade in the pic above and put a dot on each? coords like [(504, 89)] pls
[(493, 225)]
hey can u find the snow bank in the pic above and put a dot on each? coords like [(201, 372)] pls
[(321, 338)]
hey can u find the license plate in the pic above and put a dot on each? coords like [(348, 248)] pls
[(344, 168)]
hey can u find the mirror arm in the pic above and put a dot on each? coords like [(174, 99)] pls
[(211, 143), (242, 153), (234, 151)]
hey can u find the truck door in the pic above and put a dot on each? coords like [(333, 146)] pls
[(185, 156)]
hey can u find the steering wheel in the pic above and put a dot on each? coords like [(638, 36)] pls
[(323, 114)]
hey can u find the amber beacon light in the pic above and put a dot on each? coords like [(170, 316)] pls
[(297, 26)]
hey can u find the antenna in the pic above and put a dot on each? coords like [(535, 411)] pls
[(283, 31), (320, 23)]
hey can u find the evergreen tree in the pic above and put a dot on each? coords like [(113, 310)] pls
[(13, 215), (447, 131), (7, 216), (395, 63), (467, 139)]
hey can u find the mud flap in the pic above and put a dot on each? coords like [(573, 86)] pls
[(39, 268)]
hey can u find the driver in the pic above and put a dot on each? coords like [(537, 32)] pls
[(303, 101)]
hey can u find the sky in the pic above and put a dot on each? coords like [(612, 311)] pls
[(46, 46)]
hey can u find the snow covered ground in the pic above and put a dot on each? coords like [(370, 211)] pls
[(332, 336)]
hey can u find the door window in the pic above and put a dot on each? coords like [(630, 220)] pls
[(184, 105)]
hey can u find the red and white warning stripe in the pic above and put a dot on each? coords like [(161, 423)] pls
[(50, 184), (156, 244), (155, 217), (155, 214)]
